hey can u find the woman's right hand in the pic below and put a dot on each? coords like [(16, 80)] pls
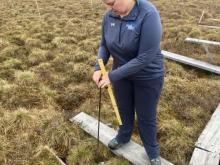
[(97, 76)]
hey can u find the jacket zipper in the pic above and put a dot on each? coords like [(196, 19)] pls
[(120, 31)]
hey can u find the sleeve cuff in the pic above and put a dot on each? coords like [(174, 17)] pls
[(112, 77), (97, 67)]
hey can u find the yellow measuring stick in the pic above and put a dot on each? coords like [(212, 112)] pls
[(110, 92)]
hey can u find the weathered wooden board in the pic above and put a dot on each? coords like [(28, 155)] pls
[(53, 153), (200, 19), (199, 41), (201, 157), (193, 62), (210, 137), (131, 151), (211, 27)]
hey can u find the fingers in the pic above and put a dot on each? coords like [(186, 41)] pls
[(101, 81), (96, 77), (97, 81), (102, 84)]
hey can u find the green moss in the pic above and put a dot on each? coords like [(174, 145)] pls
[(86, 153), (195, 33), (12, 64)]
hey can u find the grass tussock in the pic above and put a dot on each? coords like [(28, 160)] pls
[(35, 127), (36, 57), (87, 153), (26, 91), (73, 96), (44, 156)]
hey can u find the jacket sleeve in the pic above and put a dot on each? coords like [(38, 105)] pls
[(150, 36), (103, 51)]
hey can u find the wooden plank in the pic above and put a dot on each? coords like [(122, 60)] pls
[(211, 27), (131, 151), (210, 137), (202, 157), (200, 19), (214, 19), (199, 41), (53, 153), (192, 62)]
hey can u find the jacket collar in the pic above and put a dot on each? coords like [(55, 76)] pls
[(131, 16)]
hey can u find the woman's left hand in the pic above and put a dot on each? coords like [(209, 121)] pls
[(104, 81)]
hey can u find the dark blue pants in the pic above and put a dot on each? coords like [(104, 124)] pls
[(141, 96)]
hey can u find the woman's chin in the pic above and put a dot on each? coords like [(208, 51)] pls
[(117, 13)]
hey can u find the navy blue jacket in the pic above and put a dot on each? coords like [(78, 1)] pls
[(134, 43)]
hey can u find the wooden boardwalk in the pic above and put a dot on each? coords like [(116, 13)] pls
[(199, 41), (207, 149), (202, 157), (210, 27), (207, 26), (132, 151), (192, 62)]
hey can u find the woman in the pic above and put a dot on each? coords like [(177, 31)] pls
[(131, 34)]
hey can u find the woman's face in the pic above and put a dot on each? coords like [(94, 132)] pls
[(119, 7)]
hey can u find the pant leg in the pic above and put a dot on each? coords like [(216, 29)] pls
[(124, 94), (147, 93)]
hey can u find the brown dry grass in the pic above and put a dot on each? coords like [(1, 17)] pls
[(45, 78)]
